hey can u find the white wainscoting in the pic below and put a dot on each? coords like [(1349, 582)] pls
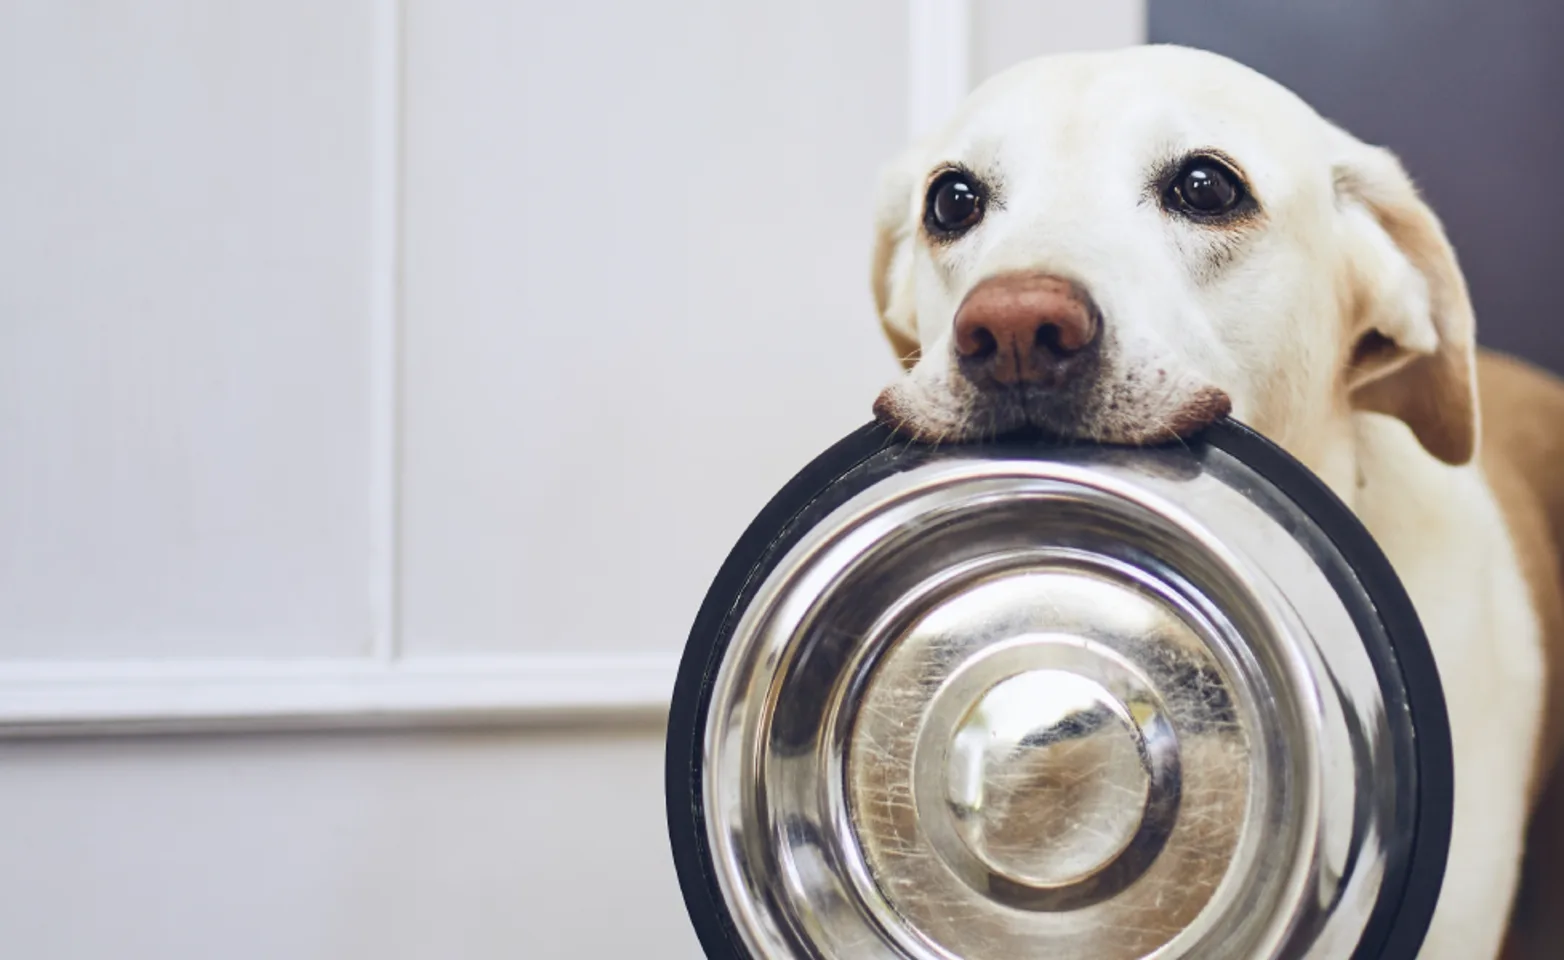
[(389, 680)]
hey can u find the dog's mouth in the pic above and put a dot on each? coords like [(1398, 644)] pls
[(1121, 415)]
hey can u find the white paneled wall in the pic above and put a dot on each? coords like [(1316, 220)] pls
[(186, 329), (636, 299), (425, 846), (410, 362)]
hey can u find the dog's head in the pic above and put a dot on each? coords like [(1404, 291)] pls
[(1125, 246)]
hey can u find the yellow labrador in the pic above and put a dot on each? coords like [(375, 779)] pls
[(1124, 246)]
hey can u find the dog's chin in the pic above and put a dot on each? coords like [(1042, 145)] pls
[(929, 415)]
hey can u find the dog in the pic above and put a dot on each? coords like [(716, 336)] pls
[(1122, 247)]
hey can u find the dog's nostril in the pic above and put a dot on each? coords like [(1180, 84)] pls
[(984, 342), (1050, 338)]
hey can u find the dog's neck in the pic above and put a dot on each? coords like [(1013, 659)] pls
[(1382, 472), (1332, 452)]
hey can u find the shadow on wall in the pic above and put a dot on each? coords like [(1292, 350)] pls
[(1467, 92)]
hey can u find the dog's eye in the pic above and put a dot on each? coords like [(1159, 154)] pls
[(1205, 187), (954, 204)]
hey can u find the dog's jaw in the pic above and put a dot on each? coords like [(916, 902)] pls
[(950, 409)]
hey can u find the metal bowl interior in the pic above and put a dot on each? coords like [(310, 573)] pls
[(1047, 701)]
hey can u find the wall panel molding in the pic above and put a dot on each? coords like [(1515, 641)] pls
[(385, 339), (130, 697), (939, 61)]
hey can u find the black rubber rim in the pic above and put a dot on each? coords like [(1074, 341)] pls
[(1393, 636)]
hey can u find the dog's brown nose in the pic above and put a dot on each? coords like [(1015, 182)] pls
[(1024, 327)]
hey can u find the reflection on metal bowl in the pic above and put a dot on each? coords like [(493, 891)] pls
[(1024, 700)]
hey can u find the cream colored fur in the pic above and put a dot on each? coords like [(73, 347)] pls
[(1336, 321)]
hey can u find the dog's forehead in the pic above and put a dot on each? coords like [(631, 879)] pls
[(1130, 107)]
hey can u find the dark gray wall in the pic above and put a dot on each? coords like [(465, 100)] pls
[(1470, 93)]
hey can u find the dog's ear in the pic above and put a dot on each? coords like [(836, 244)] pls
[(1411, 333), (896, 212)]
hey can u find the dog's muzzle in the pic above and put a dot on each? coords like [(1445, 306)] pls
[(1021, 701)]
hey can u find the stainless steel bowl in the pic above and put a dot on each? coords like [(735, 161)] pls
[(1024, 700)]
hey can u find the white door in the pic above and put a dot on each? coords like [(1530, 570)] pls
[(381, 382)]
